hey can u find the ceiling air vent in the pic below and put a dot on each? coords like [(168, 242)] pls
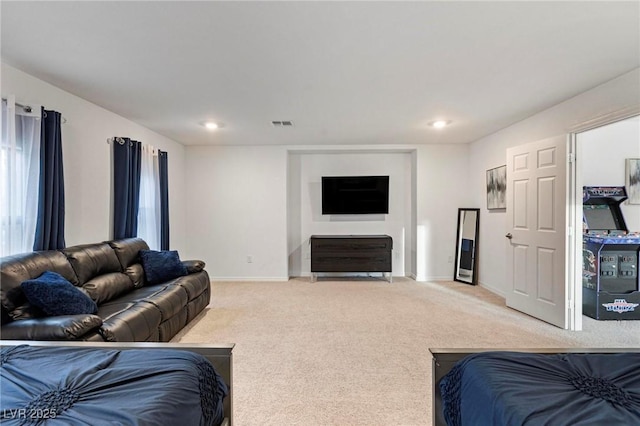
[(286, 123)]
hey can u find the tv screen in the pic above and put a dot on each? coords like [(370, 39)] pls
[(355, 194)]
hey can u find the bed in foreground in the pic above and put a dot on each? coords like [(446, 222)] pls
[(550, 386), (134, 384)]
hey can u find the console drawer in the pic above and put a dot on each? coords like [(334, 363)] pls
[(351, 244), (351, 253), (354, 262)]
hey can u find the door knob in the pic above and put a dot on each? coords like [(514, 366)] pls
[(509, 236)]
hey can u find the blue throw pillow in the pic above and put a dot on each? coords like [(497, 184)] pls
[(161, 266), (52, 293)]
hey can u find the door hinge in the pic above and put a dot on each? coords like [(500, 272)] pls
[(571, 158)]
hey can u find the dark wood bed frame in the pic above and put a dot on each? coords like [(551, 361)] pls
[(219, 355), (444, 359)]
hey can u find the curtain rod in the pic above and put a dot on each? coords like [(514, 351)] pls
[(121, 141), (118, 139), (29, 110), (26, 108)]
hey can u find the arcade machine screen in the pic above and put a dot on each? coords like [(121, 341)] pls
[(599, 217)]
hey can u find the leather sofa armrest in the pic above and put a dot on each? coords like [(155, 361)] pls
[(63, 327), (193, 266)]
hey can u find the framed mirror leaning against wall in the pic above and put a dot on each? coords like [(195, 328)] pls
[(466, 266)]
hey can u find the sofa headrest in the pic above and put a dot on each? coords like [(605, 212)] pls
[(21, 267), (127, 250), (91, 260)]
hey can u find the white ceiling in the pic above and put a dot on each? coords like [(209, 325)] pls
[(343, 72)]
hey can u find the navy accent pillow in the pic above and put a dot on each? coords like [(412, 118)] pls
[(161, 266), (56, 296)]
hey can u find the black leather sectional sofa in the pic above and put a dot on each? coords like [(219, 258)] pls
[(129, 309)]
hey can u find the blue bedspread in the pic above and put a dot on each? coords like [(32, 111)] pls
[(76, 386), (511, 388)]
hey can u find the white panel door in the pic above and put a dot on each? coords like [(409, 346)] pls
[(536, 229)]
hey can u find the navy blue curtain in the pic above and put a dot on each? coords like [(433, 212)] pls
[(126, 186), (163, 169), (50, 221)]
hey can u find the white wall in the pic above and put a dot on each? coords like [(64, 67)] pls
[(238, 208), (397, 224), (442, 186), (260, 201), (87, 158), (602, 153), (622, 93)]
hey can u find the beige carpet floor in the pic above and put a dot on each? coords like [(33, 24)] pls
[(355, 352)]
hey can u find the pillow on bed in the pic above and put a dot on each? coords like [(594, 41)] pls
[(161, 266), (52, 293)]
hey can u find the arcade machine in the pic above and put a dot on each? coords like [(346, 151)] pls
[(610, 254)]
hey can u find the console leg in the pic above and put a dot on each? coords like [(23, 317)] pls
[(314, 277), (390, 277)]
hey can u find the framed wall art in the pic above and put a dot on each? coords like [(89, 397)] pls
[(632, 180), (497, 188)]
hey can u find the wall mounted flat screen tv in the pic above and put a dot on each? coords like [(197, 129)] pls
[(355, 194)]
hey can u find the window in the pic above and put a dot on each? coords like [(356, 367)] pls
[(149, 207), (19, 175)]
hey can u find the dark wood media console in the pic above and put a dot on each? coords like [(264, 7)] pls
[(351, 253)]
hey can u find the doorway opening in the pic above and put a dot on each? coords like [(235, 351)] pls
[(600, 157)]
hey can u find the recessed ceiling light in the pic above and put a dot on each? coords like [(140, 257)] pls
[(281, 123), (211, 125), (439, 124)]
